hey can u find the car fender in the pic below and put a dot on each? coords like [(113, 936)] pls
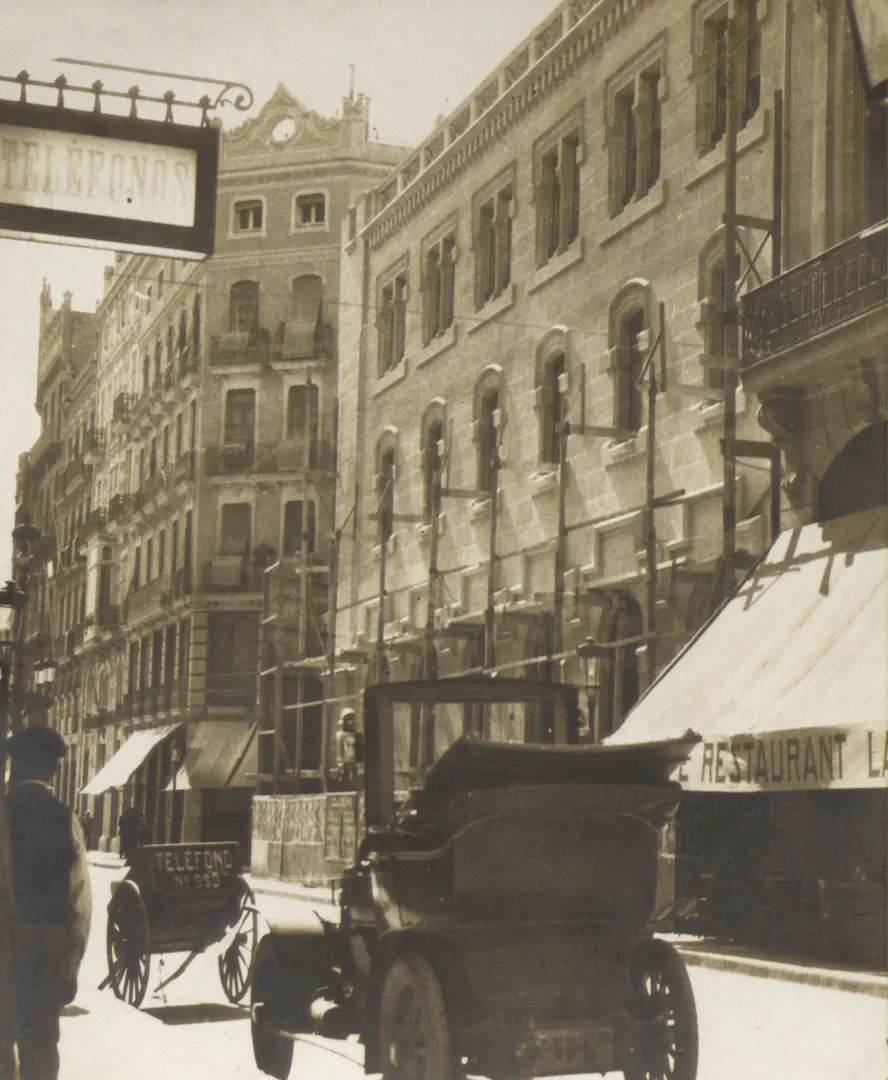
[(292, 964)]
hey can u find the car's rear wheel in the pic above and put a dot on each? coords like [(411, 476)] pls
[(414, 1034), (666, 1014), (272, 1052)]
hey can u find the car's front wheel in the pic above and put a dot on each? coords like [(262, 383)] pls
[(272, 1052), (414, 1034), (666, 1015)]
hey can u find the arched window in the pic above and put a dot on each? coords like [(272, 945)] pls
[(629, 319), (551, 407), (627, 391), (243, 307), (432, 439), (169, 345), (618, 678), (385, 487), (158, 358), (488, 426)]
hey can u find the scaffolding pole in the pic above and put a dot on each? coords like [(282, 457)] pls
[(729, 310)]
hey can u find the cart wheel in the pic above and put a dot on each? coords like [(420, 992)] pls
[(414, 1036), (667, 1017), (128, 944), (273, 1053), (236, 961)]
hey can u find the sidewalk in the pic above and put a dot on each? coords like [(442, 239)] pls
[(697, 952)]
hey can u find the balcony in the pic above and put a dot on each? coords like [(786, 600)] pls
[(122, 407), (95, 522), (835, 301), (45, 452), (148, 491), (231, 690), (181, 582), (231, 573), (93, 448), (295, 341), (72, 473), (235, 349), (37, 629), (232, 459), (98, 719), (150, 597), (119, 508), (291, 455), (188, 361), (184, 469)]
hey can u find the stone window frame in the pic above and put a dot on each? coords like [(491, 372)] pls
[(387, 342), (705, 15), (499, 196), (388, 444), (444, 237), (635, 294), (434, 413), (243, 202), (492, 378), (632, 87), (555, 343), (239, 384), (296, 225), (551, 162), (240, 498)]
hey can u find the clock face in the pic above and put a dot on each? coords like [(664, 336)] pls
[(283, 130)]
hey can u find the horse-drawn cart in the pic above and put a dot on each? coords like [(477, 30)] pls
[(180, 898)]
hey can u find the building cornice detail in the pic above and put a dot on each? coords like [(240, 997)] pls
[(417, 181)]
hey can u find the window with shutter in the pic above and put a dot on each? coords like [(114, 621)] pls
[(240, 417), (243, 308), (235, 531), (302, 330)]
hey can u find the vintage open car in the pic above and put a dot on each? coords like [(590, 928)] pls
[(500, 917)]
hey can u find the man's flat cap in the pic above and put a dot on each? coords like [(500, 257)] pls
[(36, 744)]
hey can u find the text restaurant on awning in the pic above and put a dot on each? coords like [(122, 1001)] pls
[(787, 684), (220, 754), (115, 772)]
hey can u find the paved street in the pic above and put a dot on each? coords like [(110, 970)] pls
[(751, 1028)]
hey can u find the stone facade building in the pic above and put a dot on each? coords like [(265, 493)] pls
[(508, 276), (211, 462)]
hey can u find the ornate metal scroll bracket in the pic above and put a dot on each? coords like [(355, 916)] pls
[(226, 92)]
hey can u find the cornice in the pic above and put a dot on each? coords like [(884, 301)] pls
[(596, 24)]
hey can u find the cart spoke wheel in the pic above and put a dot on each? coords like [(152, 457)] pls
[(128, 945), (413, 1029), (236, 960), (667, 1017)]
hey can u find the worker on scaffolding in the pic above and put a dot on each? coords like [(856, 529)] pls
[(346, 748)]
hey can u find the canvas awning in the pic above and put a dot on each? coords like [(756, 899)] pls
[(871, 22), (129, 757), (787, 685), (220, 753)]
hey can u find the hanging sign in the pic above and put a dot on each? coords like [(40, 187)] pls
[(107, 181)]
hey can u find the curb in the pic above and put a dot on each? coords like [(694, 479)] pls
[(855, 982)]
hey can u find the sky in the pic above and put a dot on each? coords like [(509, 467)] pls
[(414, 59)]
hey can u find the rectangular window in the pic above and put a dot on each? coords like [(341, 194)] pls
[(161, 552), (293, 524), (137, 569), (240, 417), (149, 560), (302, 412), (438, 285), (243, 307), (711, 69), (179, 439), (235, 533), (392, 323), (310, 210), (558, 197), (174, 548), (493, 247), (247, 216), (634, 139)]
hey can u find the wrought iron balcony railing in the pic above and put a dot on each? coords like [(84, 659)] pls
[(832, 289), (181, 582), (249, 347), (230, 459), (119, 507), (150, 487), (149, 597), (184, 468), (123, 406)]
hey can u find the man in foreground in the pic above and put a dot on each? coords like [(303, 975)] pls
[(52, 905)]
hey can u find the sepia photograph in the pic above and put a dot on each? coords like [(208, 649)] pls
[(444, 539)]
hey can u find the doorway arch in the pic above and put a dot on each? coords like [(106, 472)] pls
[(857, 477)]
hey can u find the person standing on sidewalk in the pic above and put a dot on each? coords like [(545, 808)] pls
[(52, 903)]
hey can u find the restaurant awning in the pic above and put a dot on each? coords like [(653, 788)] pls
[(129, 757), (787, 684), (220, 753)]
